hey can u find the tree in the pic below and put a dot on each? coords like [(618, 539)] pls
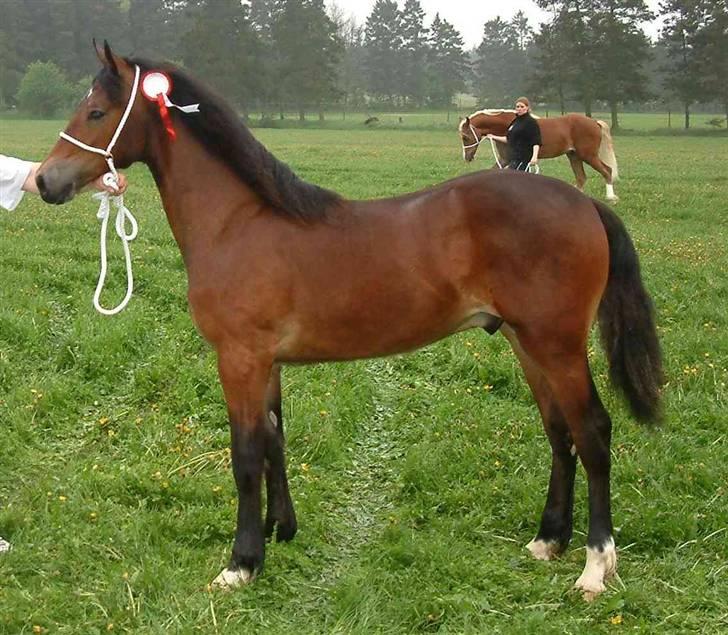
[(502, 60), (383, 45), (549, 77), (44, 89), (222, 47), (263, 14), (447, 63), (522, 30), (352, 73), (711, 44), (414, 52), (682, 22), (149, 29), (309, 48), (574, 29), (623, 49)]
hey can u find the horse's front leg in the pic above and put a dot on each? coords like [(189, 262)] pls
[(244, 376)]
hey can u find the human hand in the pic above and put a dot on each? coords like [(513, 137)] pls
[(111, 189)]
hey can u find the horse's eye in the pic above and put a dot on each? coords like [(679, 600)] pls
[(96, 114)]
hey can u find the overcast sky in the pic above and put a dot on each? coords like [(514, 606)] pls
[(468, 16)]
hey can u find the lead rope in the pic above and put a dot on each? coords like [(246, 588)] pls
[(122, 216), (496, 156)]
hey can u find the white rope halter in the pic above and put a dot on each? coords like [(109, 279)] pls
[(480, 140), (123, 214)]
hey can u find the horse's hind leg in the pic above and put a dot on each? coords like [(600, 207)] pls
[(578, 168), (556, 525), (280, 510), (606, 173), (565, 367)]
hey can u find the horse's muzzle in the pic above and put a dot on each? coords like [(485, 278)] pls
[(56, 185)]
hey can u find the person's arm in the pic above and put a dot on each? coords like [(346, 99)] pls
[(534, 157), (98, 184), (497, 138), (536, 142), (29, 184)]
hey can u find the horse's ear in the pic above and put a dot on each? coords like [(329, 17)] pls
[(467, 119), (98, 51), (110, 58), (106, 56)]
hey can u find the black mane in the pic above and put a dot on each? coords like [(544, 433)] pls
[(220, 130)]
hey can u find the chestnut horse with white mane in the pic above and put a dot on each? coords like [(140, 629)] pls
[(283, 271), (579, 137)]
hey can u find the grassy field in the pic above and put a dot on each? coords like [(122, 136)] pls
[(417, 479)]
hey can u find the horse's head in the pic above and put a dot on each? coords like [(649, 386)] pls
[(69, 167), (470, 138), (474, 128)]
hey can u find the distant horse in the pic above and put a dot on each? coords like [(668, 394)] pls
[(581, 138), (282, 271)]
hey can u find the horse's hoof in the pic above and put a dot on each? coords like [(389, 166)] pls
[(232, 578), (284, 530), (613, 199), (601, 564), (589, 588), (544, 549)]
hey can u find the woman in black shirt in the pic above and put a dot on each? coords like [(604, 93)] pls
[(523, 138)]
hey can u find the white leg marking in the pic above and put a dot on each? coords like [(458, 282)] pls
[(4, 545), (601, 564), (273, 418), (229, 579), (543, 549), (611, 196), (573, 450)]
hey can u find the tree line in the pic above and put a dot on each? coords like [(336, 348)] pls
[(270, 56)]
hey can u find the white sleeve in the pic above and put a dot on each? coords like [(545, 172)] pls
[(13, 173)]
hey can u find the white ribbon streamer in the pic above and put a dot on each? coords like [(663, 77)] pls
[(184, 109)]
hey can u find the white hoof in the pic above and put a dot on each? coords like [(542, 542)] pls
[(601, 564), (4, 545), (543, 550), (230, 579)]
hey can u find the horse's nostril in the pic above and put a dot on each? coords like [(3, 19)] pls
[(41, 184)]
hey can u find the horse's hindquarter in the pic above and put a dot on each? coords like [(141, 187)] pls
[(550, 257), (572, 132)]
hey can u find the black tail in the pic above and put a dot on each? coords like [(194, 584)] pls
[(627, 324)]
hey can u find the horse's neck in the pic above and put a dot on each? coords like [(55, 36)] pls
[(495, 123), (200, 194)]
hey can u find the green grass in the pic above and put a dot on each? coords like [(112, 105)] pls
[(417, 479)]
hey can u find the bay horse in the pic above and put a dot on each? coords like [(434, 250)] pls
[(581, 138), (281, 271)]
